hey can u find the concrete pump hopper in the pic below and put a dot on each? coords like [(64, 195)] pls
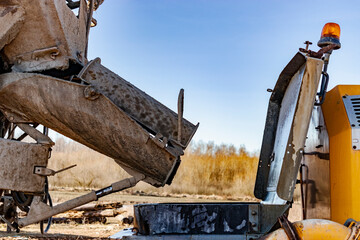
[(290, 107), (289, 112)]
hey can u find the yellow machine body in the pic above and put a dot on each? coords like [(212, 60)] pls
[(344, 153), (317, 229), (341, 114)]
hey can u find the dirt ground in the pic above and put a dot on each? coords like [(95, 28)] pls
[(113, 225)]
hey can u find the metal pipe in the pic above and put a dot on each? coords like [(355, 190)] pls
[(40, 211), (88, 24), (180, 113), (324, 80), (302, 191)]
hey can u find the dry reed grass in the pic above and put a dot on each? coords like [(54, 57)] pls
[(93, 169), (206, 169), (212, 169)]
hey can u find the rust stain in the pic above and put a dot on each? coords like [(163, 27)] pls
[(7, 2), (14, 10), (7, 10)]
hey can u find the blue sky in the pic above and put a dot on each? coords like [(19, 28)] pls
[(224, 53)]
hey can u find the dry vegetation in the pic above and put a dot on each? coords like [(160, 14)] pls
[(206, 169)]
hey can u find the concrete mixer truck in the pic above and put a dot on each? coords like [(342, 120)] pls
[(47, 80)]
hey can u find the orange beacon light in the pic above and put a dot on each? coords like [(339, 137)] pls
[(330, 35)]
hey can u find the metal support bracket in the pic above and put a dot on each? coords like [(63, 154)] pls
[(288, 228), (254, 217), (8, 223), (23, 124), (35, 134), (43, 171)]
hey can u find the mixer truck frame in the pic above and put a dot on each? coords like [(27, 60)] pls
[(47, 82)]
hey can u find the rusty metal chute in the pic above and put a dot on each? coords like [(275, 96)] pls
[(148, 112), (289, 113), (95, 121)]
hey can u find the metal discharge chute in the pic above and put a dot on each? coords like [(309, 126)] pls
[(47, 80)]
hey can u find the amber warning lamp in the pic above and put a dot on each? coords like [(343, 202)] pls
[(329, 41), (330, 35)]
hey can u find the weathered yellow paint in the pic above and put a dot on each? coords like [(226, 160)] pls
[(344, 161), (314, 229), (321, 229)]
